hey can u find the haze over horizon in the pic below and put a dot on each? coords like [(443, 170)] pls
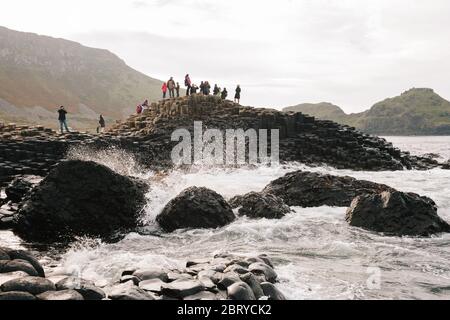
[(349, 53)]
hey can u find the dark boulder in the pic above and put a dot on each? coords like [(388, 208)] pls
[(33, 285), (17, 265), (81, 198), (272, 292), (263, 269), (16, 296), (260, 205), (311, 189), (20, 186), (446, 165), (25, 255), (196, 208), (240, 291), (396, 213)]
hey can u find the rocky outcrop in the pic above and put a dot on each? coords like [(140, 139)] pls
[(80, 199), (396, 213), (36, 150), (223, 277), (15, 193), (260, 205), (196, 208), (311, 189)]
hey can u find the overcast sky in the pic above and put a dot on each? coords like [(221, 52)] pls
[(349, 52)]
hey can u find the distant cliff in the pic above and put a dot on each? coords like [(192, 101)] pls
[(39, 73), (415, 112)]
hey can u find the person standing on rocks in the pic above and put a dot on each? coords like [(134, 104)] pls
[(102, 124), (177, 89), (62, 119), (207, 88), (171, 85), (188, 84), (224, 94), (202, 87), (164, 90), (237, 96), (216, 90)]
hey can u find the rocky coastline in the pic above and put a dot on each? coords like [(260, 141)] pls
[(51, 200)]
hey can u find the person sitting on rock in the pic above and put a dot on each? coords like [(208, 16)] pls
[(139, 109), (194, 89), (177, 89), (237, 96), (164, 90), (224, 94), (188, 84), (102, 124), (171, 86), (62, 119)]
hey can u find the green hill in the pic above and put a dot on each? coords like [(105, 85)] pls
[(419, 111), (39, 73)]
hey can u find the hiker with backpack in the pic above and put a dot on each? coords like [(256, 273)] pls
[(187, 84), (62, 119), (164, 90), (171, 86), (237, 96)]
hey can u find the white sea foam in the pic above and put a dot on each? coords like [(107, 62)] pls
[(316, 254)]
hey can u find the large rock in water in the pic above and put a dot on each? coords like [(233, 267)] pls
[(260, 205), (81, 198), (196, 208), (311, 189), (396, 213)]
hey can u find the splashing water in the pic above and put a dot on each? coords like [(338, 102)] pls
[(316, 254)]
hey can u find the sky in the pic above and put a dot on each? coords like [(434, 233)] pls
[(352, 53)]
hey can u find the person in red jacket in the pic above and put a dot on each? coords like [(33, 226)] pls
[(164, 90)]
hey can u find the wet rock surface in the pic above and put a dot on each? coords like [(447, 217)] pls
[(260, 205), (195, 208), (80, 198), (311, 189), (200, 280), (396, 213)]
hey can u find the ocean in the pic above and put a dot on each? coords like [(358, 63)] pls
[(317, 255)]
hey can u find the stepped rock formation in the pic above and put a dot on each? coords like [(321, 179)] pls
[(35, 150)]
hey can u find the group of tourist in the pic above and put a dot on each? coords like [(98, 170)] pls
[(174, 91), (205, 89)]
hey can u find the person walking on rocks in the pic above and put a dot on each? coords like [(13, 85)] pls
[(177, 89), (188, 84), (164, 90), (224, 94), (237, 96), (171, 85), (102, 124), (62, 119)]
